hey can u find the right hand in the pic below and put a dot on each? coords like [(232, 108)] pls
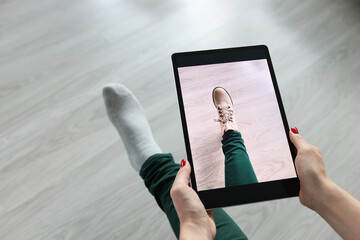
[(311, 172)]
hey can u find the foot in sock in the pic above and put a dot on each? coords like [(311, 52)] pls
[(128, 117)]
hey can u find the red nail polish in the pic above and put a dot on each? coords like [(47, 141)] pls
[(295, 130), (183, 162)]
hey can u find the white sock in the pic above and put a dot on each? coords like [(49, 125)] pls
[(128, 117)]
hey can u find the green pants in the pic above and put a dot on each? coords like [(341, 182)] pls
[(159, 171), (238, 168)]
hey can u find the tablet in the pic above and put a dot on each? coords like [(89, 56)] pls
[(235, 128)]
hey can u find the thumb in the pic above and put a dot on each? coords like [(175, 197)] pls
[(182, 177), (298, 141)]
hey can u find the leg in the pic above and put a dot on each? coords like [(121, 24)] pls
[(159, 172), (157, 169), (238, 168)]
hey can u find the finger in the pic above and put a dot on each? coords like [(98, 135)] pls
[(182, 177), (298, 141)]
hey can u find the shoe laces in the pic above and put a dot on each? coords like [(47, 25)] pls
[(225, 114)]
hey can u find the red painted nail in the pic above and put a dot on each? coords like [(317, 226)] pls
[(183, 162), (295, 130)]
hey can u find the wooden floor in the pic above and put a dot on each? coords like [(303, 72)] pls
[(64, 172)]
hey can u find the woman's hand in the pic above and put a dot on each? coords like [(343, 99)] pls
[(195, 221), (311, 171), (319, 193)]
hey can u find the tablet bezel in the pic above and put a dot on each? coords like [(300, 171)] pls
[(229, 196)]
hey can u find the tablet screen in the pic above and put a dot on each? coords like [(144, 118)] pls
[(234, 124)]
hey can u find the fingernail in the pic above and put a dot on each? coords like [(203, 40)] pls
[(183, 162), (295, 130)]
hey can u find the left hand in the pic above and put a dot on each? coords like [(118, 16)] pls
[(195, 221)]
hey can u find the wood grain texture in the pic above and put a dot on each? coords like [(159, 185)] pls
[(257, 114), (64, 172)]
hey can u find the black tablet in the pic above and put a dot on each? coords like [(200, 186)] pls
[(234, 125)]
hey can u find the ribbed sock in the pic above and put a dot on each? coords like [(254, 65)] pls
[(128, 117)]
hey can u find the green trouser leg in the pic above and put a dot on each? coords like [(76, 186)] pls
[(238, 168), (159, 173)]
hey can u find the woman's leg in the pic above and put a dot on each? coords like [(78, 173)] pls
[(158, 173), (157, 169), (238, 168)]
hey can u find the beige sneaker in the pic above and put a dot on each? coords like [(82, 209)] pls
[(225, 108)]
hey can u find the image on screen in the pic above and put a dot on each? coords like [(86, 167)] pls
[(234, 124)]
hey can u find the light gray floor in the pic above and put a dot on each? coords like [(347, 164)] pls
[(64, 173)]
